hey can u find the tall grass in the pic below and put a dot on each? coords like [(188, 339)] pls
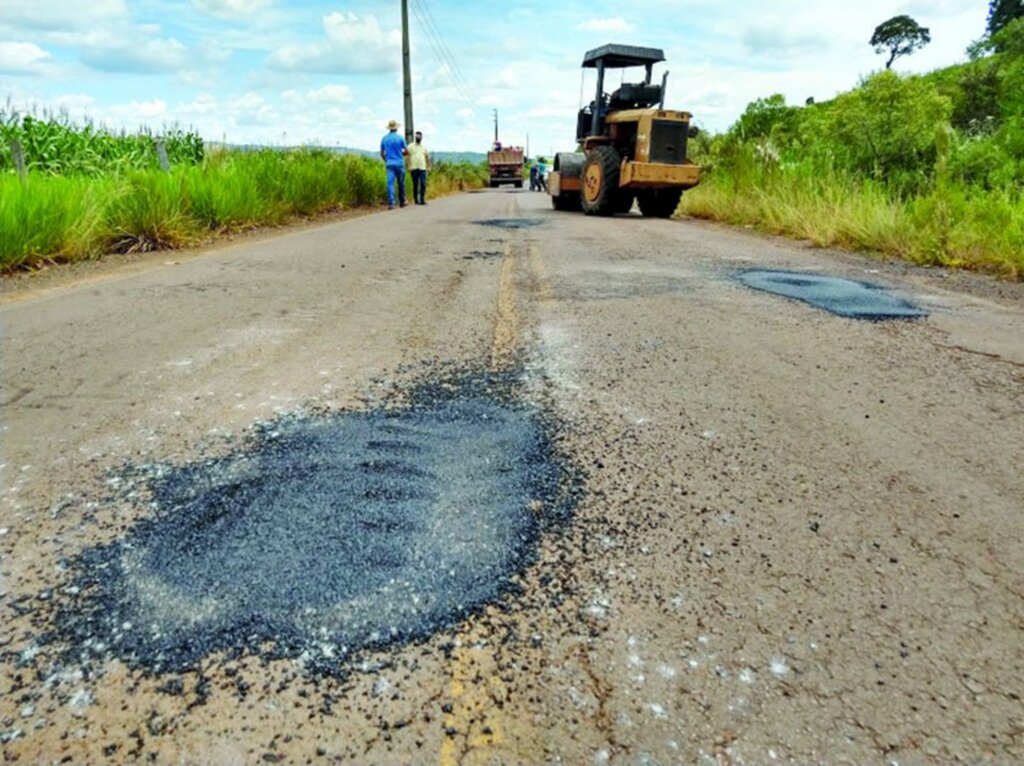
[(58, 218), (952, 225), (55, 218), (923, 168)]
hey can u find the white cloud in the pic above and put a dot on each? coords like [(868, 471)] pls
[(137, 56), (330, 101), (615, 24), (56, 14), (230, 9), (76, 105), (723, 57), (139, 112), (768, 37), (23, 58), (330, 94), (353, 44)]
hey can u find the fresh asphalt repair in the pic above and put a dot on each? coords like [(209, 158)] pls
[(842, 297), (326, 534), (510, 223)]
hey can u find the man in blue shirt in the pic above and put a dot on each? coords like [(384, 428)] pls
[(393, 151)]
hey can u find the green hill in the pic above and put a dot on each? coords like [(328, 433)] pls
[(926, 167), (470, 157)]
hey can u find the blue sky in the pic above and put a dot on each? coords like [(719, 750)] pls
[(329, 71)]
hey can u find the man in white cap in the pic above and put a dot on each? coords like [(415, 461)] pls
[(393, 151)]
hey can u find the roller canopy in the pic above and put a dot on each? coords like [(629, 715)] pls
[(617, 56)]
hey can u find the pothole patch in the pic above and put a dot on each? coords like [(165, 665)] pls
[(842, 297), (510, 223), (325, 535), (481, 255)]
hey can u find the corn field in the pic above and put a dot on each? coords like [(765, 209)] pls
[(88, 192), (53, 144)]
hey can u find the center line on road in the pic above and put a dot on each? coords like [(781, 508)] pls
[(505, 337), (541, 283), (474, 721)]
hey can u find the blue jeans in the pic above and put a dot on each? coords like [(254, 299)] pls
[(396, 174)]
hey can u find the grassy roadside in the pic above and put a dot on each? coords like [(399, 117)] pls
[(929, 168), (953, 225), (53, 218)]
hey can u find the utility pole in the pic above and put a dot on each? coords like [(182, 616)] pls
[(406, 72), (495, 126)]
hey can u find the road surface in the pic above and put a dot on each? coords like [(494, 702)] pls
[(800, 537)]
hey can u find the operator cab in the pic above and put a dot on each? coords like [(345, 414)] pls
[(641, 95)]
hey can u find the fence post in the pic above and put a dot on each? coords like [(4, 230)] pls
[(18, 154), (161, 155)]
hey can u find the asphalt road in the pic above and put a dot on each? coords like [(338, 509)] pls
[(800, 537)]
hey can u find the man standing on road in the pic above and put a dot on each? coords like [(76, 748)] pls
[(419, 163), (393, 151)]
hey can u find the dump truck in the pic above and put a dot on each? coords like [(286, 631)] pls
[(506, 165), (633, 149)]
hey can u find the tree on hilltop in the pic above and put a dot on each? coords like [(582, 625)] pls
[(1002, 12), (901, 36)]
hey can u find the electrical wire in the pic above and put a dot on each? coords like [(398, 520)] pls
[(428, 25), (439, 55), (446, 59), (449, 56)]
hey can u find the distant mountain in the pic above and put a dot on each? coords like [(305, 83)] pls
[(350, 150), (472, 157)]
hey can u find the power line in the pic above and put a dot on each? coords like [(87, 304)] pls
[(443, 56), (442, 52), (452, 62), (435, 46)]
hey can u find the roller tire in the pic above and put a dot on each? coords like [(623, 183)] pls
[(565, 202), (600, 181), (624, 201), (659, 203)]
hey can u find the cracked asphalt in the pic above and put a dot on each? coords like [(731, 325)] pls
[(797, 538)]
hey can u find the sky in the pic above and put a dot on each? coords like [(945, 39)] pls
[(328, 72)]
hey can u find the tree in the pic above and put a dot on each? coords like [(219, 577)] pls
[(1002, 12), (886, 127), (900, 36), (761, 117)]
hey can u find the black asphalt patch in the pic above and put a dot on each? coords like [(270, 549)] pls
[(475, 255), (510, 223), (327, 534), (842, 297)]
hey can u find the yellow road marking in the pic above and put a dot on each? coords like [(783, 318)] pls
[(505, 337), (476, 691), (541, 283)]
